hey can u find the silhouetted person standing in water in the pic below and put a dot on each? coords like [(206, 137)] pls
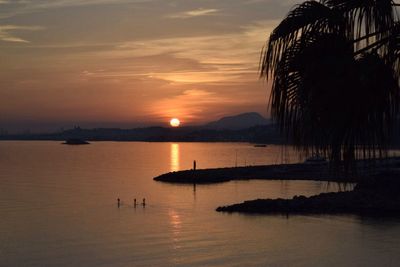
[(134, 202), (144, 202), (119, 202)]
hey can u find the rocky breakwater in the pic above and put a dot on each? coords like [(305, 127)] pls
[(375, 195), (298, 171)]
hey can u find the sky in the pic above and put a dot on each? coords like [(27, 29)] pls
[(120, 63)]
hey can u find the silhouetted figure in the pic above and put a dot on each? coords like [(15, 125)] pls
[(134, 203), (144, 202), (119, 202), (194, 168)]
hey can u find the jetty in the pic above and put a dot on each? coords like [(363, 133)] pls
[(316, 171), (376, 188), (297, 171)]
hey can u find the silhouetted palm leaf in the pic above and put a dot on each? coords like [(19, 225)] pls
[(335, 70), (307, 17)]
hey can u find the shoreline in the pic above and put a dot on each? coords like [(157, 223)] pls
[(375, 193), (295, 171)]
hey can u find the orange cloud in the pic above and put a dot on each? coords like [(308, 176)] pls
[(189, 106)]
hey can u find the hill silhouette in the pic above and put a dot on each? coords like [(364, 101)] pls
[(246, 127), (237, 122)]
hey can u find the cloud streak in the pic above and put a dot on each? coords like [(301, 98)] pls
[(66, 3), (6, 32), (19, 7), (194, 13), (211, 59)]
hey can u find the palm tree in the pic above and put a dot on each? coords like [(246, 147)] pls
[(334, 66)]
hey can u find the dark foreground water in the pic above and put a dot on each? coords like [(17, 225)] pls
[(58, 208)]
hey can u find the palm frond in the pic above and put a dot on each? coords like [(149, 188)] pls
[(373, 18), (335, 66), (306, 17)]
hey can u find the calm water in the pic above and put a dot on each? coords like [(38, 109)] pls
[(58, 208)]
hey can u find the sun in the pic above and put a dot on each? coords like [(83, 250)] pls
[(174, 122)]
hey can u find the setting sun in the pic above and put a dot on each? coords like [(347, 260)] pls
[(174, 122)]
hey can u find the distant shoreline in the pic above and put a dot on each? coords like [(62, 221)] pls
[(265, 134)]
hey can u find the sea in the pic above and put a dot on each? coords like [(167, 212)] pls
[(58, 207)]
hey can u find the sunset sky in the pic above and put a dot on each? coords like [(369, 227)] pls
[(131, 63)]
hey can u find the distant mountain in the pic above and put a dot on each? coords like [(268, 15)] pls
[(246, 127), (237, 122)]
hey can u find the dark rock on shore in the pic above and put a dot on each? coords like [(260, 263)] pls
[(379, 194), (322, 203)]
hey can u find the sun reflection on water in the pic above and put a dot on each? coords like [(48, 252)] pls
[(176, 224), (174, 157)]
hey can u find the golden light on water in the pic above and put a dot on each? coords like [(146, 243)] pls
[(174, 157), (174, 122), (176, 225)]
